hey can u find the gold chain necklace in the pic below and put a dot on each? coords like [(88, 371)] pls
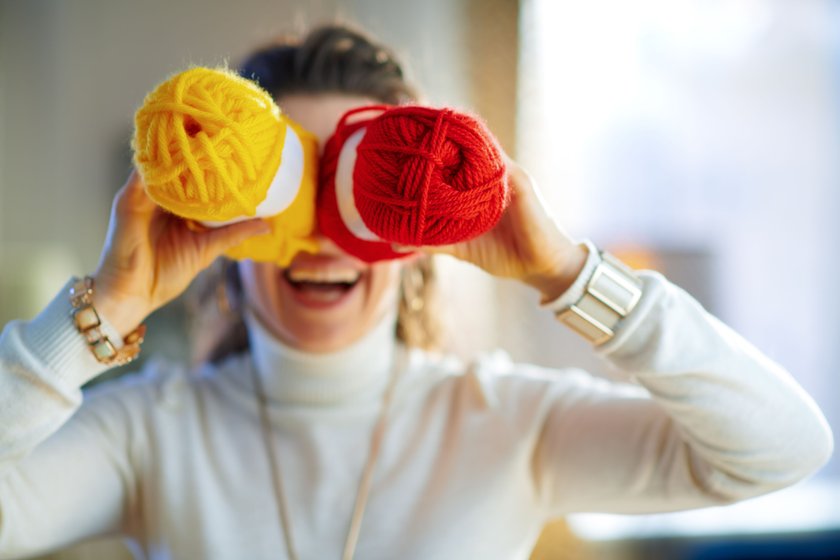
[(367, 474)]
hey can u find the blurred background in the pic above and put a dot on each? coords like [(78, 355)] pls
[(696, 137)]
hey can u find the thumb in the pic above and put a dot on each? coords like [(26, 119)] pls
[(429, 249), (219, 240)]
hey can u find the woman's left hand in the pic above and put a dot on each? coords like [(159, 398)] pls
[(527, 244)]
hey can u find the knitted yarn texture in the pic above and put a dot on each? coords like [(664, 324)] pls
[(330, 221), (208, 144), (422, 176), (429, 176)]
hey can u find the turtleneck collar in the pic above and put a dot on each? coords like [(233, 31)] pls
[(358, 373)]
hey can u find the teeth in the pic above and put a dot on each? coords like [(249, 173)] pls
[(323, 275)]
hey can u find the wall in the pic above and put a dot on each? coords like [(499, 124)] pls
[(75, 71)]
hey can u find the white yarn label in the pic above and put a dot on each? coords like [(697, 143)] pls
[(284, 187), (344, 188)]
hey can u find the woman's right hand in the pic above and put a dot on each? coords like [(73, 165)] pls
[(151, 256)]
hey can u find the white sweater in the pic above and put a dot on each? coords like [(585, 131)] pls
[(474, 462)]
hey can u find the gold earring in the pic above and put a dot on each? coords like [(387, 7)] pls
[(413, 288)]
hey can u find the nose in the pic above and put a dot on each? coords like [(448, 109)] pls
[(327, 246)]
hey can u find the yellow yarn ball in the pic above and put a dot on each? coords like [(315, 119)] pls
[(208, 143)]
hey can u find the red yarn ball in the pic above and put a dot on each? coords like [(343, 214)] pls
[(426, 176), (329, 219)]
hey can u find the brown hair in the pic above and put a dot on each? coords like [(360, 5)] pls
[(332, 58), (329, 59)]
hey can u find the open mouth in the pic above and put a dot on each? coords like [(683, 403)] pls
[(321, 285)]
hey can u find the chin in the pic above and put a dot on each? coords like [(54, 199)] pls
[(320, 310), (322, 302), (321, 340)]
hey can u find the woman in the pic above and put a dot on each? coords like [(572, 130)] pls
[(326, 437)]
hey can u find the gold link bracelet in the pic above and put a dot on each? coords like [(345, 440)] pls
[(89, 324)]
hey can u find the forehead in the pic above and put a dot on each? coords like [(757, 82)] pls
[(319, 113)]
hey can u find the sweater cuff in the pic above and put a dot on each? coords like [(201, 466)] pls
[(575, 291), (53, 337)]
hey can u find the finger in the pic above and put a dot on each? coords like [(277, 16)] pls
[(519, 179), (524, 187), (506, 158), (132, 197), (430, 249), (221, 239), (195, 226), (124, 227)]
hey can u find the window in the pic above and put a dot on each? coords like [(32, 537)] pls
[(703, 135)]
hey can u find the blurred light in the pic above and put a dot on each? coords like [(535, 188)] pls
[(800, 509)]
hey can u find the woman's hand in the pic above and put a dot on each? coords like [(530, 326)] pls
[(526, 245), (151, 256)]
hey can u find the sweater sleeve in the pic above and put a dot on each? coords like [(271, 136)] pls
[(708, 421), (64, 468)]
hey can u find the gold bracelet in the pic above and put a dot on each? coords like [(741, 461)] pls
[(89, 324)]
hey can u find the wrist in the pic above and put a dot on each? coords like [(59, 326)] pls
[(557, 278), (124, 313), (105, 342), (58, 344)]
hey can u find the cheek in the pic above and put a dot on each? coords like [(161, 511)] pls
[(259, 284), (384, 284)]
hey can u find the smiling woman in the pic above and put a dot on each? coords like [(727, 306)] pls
[(322, 302), (324, 429), (326, 301)]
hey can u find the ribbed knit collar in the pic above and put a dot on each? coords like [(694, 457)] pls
[(356, 374)]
